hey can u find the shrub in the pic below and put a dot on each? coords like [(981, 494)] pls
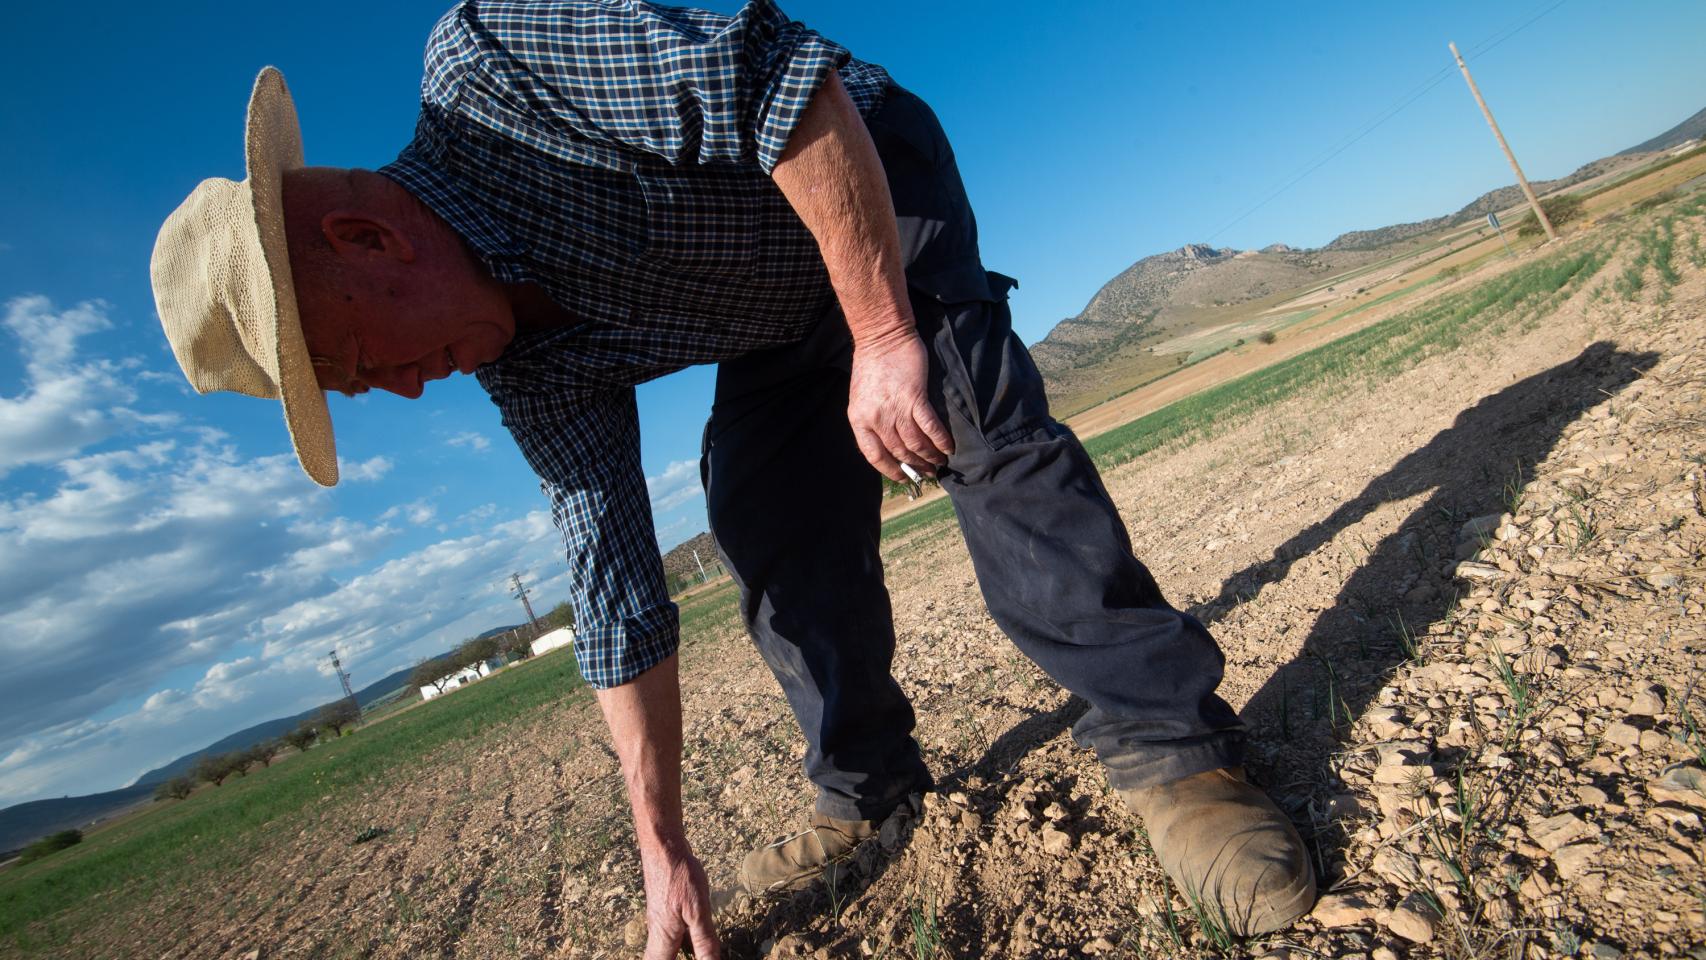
[(1560, 210), (176, 788), (50, 844), (1267, 336)]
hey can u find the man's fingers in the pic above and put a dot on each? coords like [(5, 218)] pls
[(920, 447), (660, 945), (939, 436), (704, 937), (877, 454)]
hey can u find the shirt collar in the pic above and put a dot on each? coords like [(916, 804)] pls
[(503, 254)]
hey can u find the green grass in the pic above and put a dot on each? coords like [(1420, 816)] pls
[(1643, 172), (222, 830), (1370, 355), (1389, 297), (714, 610), (928, 515)]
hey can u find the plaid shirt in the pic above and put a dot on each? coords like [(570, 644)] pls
[(618, 154)]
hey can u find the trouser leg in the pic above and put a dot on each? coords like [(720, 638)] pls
[(1051, 552), (1055, 563), (795, 512)]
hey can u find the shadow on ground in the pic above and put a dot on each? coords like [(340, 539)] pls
[(1405, 582), (1353, 648)]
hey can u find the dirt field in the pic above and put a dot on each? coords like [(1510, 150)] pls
[(1325, 541)]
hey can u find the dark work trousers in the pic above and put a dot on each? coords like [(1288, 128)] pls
[(794, 507)]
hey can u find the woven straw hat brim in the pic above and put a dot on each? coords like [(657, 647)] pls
[(223, 286)]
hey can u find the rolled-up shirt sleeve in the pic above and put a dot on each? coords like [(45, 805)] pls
[(587, 454), (686, 85)]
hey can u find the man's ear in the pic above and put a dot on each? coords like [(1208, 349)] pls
[(360, 237)]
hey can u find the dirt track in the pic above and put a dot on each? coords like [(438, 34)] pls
[(1298, 536)]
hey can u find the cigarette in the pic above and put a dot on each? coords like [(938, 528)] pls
[(914, 481)]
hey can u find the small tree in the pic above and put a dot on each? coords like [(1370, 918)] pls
[(1560, 210), (238, 762), (336, 716), (213, 768), (301, 738), (176, 788), (561, 615), (475, 651), (262, 753), (434, 673)]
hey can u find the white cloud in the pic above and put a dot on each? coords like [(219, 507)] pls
[(676, 485), (417, 512), (66, 404), (178, 591), (471, 440), (364, 470)]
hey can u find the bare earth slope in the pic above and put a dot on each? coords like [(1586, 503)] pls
[(1457, 808)]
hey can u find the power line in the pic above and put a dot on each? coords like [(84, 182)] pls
[(1434, 80)]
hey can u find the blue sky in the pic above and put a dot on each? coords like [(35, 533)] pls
[(167, 574)]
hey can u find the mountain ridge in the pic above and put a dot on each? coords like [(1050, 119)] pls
[(1132, 314)]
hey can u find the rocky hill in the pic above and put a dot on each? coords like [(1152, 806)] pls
[(679, 565), (1152, 295), (1691, 129), (1159, 294)]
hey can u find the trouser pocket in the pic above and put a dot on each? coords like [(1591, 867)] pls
[(982, 375)]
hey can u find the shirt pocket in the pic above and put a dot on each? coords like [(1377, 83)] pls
[(702, 220)]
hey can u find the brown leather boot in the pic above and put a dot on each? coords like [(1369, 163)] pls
[(795, 861), (1228, 849)]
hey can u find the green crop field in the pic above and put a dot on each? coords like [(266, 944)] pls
[(1373, 354), (223, 828)]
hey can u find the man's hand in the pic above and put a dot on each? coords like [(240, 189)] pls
[(678, 902), (889, 408), (833, 178), (645, 726)]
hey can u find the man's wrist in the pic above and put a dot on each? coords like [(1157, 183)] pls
[(661, 841), (881, 340)]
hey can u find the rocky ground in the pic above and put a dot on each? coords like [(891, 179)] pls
[(1462, 613)]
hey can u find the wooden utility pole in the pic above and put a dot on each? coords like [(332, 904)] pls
[(1521, 180)]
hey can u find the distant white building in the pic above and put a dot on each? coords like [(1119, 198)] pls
[(460, 678), (547, 642)]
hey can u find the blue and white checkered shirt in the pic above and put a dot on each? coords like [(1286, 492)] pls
[(618, 154)]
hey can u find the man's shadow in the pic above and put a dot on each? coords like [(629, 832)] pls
[(1473, 467), (1403, 584)]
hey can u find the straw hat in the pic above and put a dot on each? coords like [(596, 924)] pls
[(222, 285)]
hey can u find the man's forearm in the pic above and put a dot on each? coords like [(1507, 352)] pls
[(833, 178), (645, 725)]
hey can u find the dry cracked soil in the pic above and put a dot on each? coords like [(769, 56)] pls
[(1462, 616)]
